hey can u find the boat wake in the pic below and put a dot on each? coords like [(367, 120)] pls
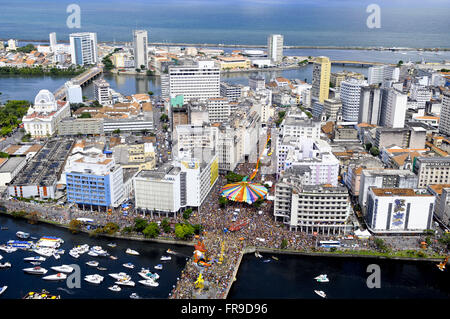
[(66, 290)]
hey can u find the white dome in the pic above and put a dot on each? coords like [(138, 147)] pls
[(44, 97)]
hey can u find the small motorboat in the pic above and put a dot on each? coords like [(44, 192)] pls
[(159, 267), (8, 249), (128, 265), (149, 283), (134, 296), (3, 289), (92, 263), (1, 257), (99, 251), (37, 258), (266, 261), (257, 254), (58, 276), (93, 254), (131, 252), (74, 254), (47, 252), (113, 257), (320, 293), (22, 235), (35, 270), (63, 268), (274, 258), (146, 274), (5, 265), (35, 263), (163, 258), (125, 283), (322, 278), (56, 256), (112, 245), (121, 276), (94, 279), (102, 268), (170, 251), (115, 288)]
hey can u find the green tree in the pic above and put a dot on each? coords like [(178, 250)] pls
[(85, 115), (165, 225), (284, 243), (223, 202), (140, 224), (111, 228), (75, 226), (4, 155), (152, 230), (368, 146), (374, 151), (187, 213)]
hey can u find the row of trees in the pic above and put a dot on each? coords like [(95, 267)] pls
[(11, 115), (40, 70)]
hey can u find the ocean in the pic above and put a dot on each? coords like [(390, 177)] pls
[(302, 22)]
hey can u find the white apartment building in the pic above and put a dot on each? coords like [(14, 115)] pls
[(102, 92), (201, 81), (219, 110), (189, 137), (140, 44), (74, 93), (257, 83), (52, 37), (83, 48), (421, 94), (393, 108), (399, 210), (379, 74), (350, 98), (444, 121), (432, 170), (275, 47), (43, 117), (321, 209)]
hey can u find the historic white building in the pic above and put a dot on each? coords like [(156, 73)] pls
[(42, 118)]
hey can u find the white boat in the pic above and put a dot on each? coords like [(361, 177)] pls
[(93, 254), (58, 276), (98, 250), (63, 268), (37, 258), (134, 296), (159, 267), (170, 251), (22, 235), (149, 283), (74, 254), (163, 258), (128, 265), (36, 270), (5, 265), (102, 268), (120, 276), (8, 249), (36, 263), (92, 263), (3, 289), (60, 251), (131, 252), (257, 254), (1, 257), (94, 279), (320, 293), (56, 255), (146, 274), (125, 283), (115, 288), (112, 245), (322, 278), (47, 252), (113, 257)]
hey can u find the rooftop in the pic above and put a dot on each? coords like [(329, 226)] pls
[(390, 192)]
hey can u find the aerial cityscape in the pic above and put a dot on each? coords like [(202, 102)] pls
[(264, 152)]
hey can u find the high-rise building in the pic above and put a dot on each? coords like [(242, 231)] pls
[(321, 78), (275, 48), (53, 43), (73, 92), (432, 170), (369, 105), (393, 108), (83, 48), (201, 81), (444, 122), (379, 74), (12, 45), (140, 44), (331, 108), (101, 91), (350, 98)]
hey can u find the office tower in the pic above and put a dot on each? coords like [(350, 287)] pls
[(370, 105), (52, 37), (257, 82), (393, 108), (83, 48), (140, 44), (444, 122), (350, 95), (200, 81), (12, 45), (275, 48), (331, 108), (379, 74), (74, 94), (321, 78)]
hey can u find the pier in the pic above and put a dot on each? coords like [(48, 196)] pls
[(81, 80)]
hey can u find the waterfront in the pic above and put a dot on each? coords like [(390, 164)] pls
[(20, 283), (292, 277)]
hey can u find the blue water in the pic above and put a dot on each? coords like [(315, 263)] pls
[(20, 283), (303, 22)]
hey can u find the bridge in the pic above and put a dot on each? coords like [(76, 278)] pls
[(81, 80), (358, 63)]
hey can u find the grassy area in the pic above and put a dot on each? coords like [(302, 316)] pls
[(393, 254)]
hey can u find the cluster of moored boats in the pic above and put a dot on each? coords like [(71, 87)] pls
[(48, 246), (321, 278)]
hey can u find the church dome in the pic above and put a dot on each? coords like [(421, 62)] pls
[(44, 97)]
